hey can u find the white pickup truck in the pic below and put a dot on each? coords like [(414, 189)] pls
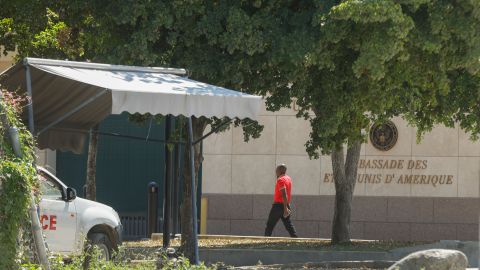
[(68, 220)]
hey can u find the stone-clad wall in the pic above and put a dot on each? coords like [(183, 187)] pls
[(6, 61), (444, 167), (382, 218), (445, 156)]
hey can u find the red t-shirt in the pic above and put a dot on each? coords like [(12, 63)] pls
[(283, 181)]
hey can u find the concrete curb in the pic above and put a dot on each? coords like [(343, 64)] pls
[(242, 257), (349, 264), (246, 257), (159, 237)]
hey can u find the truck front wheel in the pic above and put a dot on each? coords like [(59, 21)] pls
[(103, 243)]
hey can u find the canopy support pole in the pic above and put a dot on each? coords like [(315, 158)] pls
[(176, 182), (76, 109), (193, 191), (167, 198), (33, 210), (31, 125)]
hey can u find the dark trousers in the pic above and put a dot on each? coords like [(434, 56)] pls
[(276, 213)]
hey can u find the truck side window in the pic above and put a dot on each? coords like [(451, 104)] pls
[(48, 188)]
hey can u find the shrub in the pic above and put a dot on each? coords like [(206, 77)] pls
[(17, 178), (121, 262)]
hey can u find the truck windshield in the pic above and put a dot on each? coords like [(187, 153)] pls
[(48, 188)]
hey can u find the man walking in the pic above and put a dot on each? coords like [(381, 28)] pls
[(281, 203)]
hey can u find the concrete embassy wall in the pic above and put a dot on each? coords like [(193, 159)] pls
[(412, 191), (5, 60)]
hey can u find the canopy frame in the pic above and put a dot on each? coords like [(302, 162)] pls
[(40, 245), (73, 111), (62, 92), (33, 61), (191, 142)]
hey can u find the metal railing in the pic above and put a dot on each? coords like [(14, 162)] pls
[(135, 226)]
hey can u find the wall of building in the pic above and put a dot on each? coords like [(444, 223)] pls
[(5, 60), (426, 191)]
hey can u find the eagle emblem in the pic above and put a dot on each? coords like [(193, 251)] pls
[(384, 136)]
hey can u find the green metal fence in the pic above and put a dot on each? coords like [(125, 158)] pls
[(124, 166), (124, 169)]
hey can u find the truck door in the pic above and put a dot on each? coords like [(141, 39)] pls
[(57, 217)]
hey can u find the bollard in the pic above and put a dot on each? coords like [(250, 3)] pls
[(152, 219)]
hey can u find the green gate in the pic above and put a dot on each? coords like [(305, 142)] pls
[(124, 166)]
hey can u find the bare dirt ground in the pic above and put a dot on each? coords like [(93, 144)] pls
[(145, 250), (282, 244)]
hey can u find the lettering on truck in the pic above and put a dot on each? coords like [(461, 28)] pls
[(49, 222)]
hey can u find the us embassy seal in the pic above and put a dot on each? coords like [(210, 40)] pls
[(384, 136)]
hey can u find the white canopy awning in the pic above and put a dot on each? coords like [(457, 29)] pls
[(93, 91)]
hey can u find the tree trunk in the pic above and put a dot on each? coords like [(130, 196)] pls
[(345, 175), (90, 182), (187, 241)]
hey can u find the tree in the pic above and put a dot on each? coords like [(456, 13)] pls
[(111, 33), (377, 59), (347, 63), (17, 181), (198, 126), (90, 182)]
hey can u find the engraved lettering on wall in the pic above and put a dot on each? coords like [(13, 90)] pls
[(386, 176)]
